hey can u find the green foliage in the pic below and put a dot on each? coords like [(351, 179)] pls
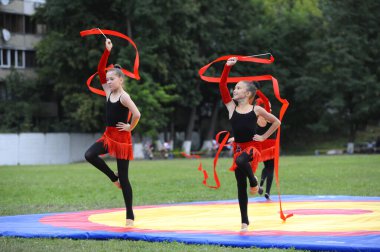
[(166, 33), (67, 60), (152, 99), (20, 105), (84, 110), (341, 68), (327, 61)]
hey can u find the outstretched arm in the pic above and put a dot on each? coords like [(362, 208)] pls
[(225, 93), (102, 66)]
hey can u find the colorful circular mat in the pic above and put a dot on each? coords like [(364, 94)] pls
[(337, 223)]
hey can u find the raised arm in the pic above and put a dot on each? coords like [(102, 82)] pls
[(224, 92), (102, 66)]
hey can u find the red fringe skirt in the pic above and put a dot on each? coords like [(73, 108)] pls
[(117, 143), (267, 149), (262, 151)]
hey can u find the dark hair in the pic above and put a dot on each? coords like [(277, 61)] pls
[(117, 69), (251, 87), (257, 84)]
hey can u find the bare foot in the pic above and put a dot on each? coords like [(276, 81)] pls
[(129, 223), (244, 227), (253, 190), (117, 182)]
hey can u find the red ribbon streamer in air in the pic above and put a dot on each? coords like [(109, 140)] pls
[(264, 99), (200, 167), (134, 75), (276, 90)]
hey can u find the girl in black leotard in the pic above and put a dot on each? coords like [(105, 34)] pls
[(268, 170), (116, 140), (243, 118)]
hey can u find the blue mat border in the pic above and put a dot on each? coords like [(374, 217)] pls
[(28, 226)]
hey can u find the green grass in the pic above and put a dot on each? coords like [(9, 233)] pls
[(75, 187)]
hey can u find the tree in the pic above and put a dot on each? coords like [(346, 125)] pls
[(346, 66), (20, 105), (67, 60), (222, 30), (326, 62), (284, 28), (166, 32)]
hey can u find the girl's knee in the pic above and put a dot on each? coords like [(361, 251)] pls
[(88, 155), (241, 160)]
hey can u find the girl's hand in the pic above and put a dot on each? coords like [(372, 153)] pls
[(108, 44), (230, 140), (123, 126), (258, 138), (231, 61)]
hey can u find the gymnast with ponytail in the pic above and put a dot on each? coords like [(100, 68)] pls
[(243, 118), (122, 116), (268, 170)]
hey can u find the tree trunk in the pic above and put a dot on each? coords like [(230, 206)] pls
[(207, 143), (172, 133), (353, 125), (138, 148), (189, 131), (352, 132), (129, 28)]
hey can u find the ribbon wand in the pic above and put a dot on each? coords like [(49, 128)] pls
[(102, 33), (256, 55)]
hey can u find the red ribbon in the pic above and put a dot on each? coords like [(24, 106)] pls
[(134, 75), (193, 156), (276, 90), (239, 78), (264, 99), (200, 168)]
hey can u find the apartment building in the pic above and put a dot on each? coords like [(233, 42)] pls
[(19, 35)]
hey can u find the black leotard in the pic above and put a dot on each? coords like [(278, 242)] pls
[(115, 112), (244, 126)]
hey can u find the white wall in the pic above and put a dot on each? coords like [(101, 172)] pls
[(9, 149), (49, 148)]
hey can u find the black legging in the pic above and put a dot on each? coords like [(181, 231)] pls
[(267, 174), (242, 172), (92, 156)]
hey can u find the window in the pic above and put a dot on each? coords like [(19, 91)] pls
[(20, 58), (13, 60), (18, 23), (30, 25), (12, 22), (17, 58), (30, 59), (5, 58)]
